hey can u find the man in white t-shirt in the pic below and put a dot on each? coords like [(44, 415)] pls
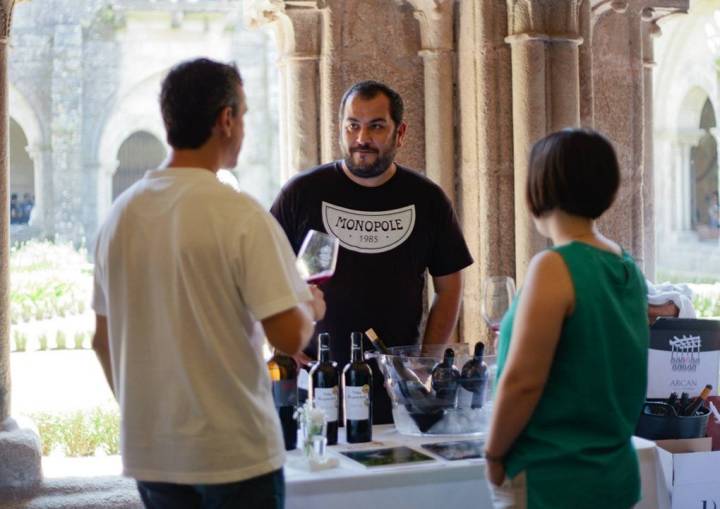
[(186, 269)]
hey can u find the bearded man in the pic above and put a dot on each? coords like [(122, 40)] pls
[(393, 225)]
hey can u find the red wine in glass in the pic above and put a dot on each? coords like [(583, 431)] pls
[(317, 257), (320, 278)]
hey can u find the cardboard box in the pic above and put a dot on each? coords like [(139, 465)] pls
[(684, 356), (691, 472)]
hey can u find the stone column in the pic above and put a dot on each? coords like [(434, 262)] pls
[(650, 30), (622, 111), (300, 33), (684, 142), (105, 170), (40, 156), (19, 448), (545, 84), (436, 32), (5, 13), (715, 131), (66, 131), (485, 193)]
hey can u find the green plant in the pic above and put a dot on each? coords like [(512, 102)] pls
[(20, 340), (79, 438), (79, 339), (48, 280), (43, 341), (80, 433), (50, 429), (60, 340), (106, 426)]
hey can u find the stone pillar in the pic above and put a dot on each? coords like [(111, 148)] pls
[(545, 84), (19, 448), (41, 158), (436, 33), (300, 29), (486, 151), (716, 134), (105, 170), (5, 13), (622, 103), (650, 30), (684, 142), (66, 131)]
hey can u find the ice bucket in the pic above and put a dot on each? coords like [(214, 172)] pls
[(418, 409)]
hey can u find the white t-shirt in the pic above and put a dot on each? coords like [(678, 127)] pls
[(185, 267)]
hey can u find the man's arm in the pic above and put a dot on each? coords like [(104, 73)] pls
[(289, 331), (101, 345), (444, 310)]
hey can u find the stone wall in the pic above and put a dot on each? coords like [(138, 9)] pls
[(90, 72)]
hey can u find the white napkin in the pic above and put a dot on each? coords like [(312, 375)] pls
[(680, 295)]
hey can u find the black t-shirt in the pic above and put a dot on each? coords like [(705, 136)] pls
[(389, 236)]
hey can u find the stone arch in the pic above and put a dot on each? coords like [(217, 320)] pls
[(135, 110), (139, 152), (22, 112), (691, 108)]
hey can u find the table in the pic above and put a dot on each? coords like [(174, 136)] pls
[(440, 484)]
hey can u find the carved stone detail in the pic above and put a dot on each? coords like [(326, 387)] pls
[(6, 9), (436, 23), (543, 17)]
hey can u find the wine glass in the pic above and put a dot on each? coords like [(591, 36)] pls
[(317, 257), (497, 294)]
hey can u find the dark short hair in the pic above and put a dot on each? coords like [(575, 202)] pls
[(193, 94), (574, 170), (368, 89)]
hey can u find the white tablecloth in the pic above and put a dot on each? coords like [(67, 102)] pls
[(441, 484)]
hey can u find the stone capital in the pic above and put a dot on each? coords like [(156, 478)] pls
[(544, 17), (6, 10), (647, 10), (298, 24), (436, 23), (37, 151)]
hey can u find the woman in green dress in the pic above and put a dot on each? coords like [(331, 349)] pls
[(572, 352)]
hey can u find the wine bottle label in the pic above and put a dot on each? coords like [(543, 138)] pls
[(357, 403), (464, 398), (285, 392), (327, 401)]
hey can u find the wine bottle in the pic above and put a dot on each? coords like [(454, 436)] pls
[(684, 400), (445, 379), (357, 394), (323, 389), (473, 379), (419, 401), (283, 374), (693, 406)]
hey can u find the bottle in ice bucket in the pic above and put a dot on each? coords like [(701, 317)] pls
[(283, 374), (473, 379), (445, 379), (357, 394), (324, 387)]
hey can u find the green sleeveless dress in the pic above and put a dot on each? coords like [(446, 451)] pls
[(576, 449)]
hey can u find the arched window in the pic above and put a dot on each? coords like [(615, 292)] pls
[(22, 177), (140, 152)]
